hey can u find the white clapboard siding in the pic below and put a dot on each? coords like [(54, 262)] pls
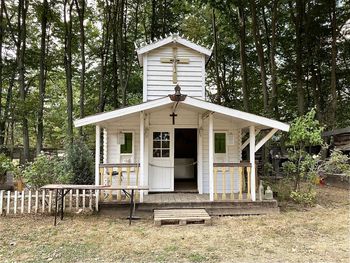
[(27, 202), (159, 76)]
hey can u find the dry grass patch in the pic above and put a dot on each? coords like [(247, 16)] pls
[(320, 234)]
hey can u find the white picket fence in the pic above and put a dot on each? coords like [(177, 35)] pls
[(43, 201)]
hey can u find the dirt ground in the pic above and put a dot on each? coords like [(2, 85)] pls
[(318, 234)]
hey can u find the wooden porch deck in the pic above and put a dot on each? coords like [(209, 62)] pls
[(220, 207)]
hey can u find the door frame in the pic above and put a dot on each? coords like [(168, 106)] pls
[(171, 128), (156, 161)]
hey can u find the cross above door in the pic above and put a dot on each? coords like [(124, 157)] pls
[(173, 115), (175, 60)]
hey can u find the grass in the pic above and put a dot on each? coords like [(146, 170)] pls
[(319, 234)]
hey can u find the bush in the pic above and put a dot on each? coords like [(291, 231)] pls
[(304, 131), (337, 163), (80, 161), (282, 188), (46, 170), (5, 166), (305, 198)]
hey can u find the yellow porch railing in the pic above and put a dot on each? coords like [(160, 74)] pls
[(118, 174), (237, 175)]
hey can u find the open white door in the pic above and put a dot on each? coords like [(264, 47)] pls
[(161, 167)]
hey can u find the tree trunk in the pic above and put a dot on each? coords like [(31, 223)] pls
[(68, 68), (260, 52), (298, 20), (274, 94), (42, 81), (104, 54), (114, 56), (153, 19), (243, 58), (80, 5), (2, 127), (22, 16), (334, 66), (216, 54)]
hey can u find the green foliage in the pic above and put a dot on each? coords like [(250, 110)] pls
[(5, 166), (304, 131), (80, 161), (282, 188), (46, 170), (304, 197), (338, 163)]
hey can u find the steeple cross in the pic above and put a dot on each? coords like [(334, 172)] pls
[(175, 60)]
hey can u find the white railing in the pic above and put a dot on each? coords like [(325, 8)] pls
[(43, 201), (118, 174)]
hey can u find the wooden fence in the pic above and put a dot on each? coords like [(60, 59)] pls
[(43, 201)]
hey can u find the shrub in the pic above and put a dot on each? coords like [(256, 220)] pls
[(304, 197), (46, 170), (337, 163), (304, 131), (80, 161), (282, 188), (5, 166)]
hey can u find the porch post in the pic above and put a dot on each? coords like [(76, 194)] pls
[(211, 158), (252, 161), (97, 154), (200, 155), (142, 152)]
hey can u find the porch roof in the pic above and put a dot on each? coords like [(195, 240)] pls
[(189, 101)]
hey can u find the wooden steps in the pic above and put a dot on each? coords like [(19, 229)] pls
[(181, 216)]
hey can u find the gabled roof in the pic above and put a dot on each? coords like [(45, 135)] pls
[(93, 119), (144, 47)]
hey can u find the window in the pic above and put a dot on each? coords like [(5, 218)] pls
[(220, 142), (126, 148), (161, 144)]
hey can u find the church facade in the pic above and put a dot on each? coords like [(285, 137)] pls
[(176, 140)]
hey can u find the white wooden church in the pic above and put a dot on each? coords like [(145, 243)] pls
[(176, 140)]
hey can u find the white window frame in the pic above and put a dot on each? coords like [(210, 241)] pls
[(221, 155), (132, 155), (170, 144)]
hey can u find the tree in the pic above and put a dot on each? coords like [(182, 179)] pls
[(333, 109), (243, 59), (21, 49), (260, 52), (80, 5), (304, 132), (68, 7), (42, 77)]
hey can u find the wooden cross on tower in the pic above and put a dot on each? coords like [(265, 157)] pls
[(175, 60)]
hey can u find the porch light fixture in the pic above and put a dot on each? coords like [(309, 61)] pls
[(230, 139), (121, 138)]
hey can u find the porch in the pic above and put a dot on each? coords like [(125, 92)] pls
[(230, 182), (220, 207)]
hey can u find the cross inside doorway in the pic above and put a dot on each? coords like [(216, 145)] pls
[(175, 60)]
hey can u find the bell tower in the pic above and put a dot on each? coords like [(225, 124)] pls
[(170, 61)]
